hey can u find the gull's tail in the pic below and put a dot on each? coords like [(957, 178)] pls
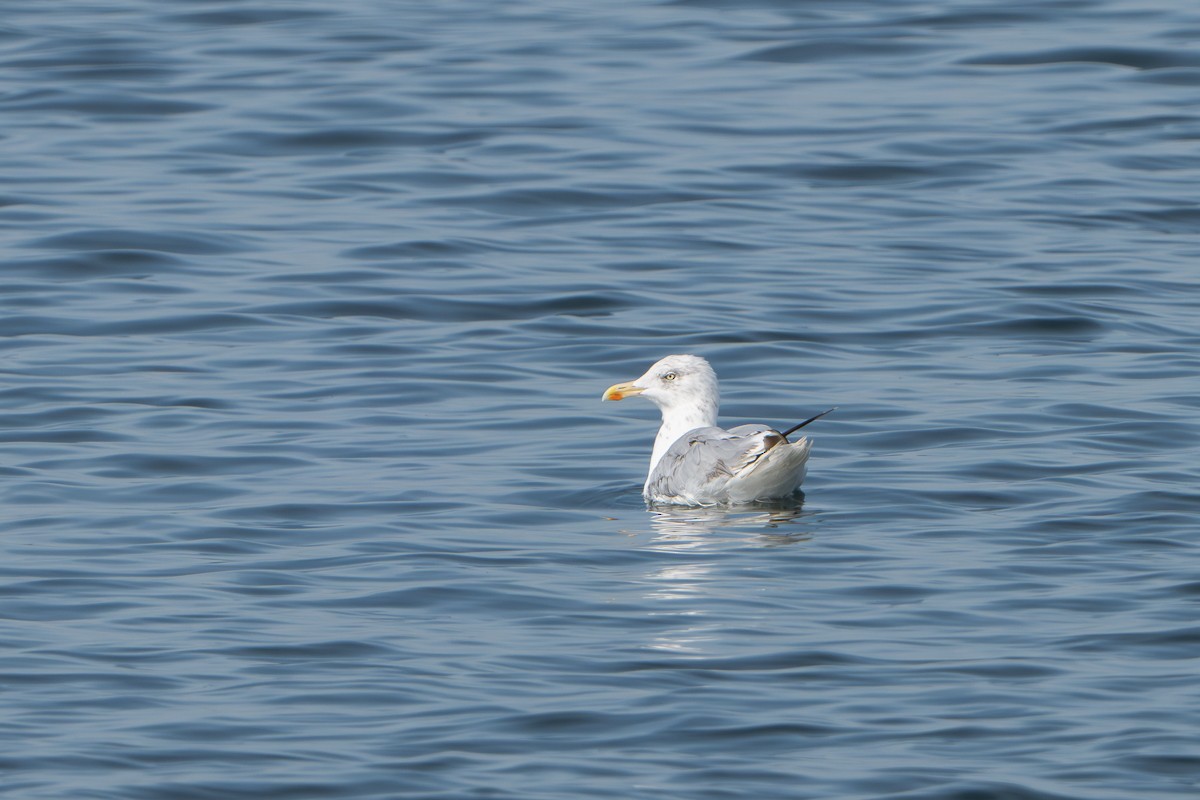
[(777, 474)]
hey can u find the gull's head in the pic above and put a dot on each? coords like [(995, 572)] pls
[(673, 382)]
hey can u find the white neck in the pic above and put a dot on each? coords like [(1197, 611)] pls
[(678, 420)]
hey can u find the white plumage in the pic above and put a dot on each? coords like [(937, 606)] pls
[(696, 463)]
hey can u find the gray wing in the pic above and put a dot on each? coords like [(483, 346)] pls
[(698, 466)]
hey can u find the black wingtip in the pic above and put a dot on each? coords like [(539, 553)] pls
[(795, 428)]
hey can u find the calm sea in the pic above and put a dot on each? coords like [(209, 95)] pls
[(307, 490)]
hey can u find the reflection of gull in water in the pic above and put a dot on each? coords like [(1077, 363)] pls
[(694, 462), (690, 528), (688, 570), (708, 519), (678, 581)]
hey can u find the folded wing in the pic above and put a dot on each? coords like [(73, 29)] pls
[(708, 466)]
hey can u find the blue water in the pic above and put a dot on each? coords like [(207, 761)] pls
[(305, 313)]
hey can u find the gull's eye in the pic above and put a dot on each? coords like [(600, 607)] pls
[(670, 376)]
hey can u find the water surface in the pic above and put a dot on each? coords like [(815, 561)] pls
[(307, 310)]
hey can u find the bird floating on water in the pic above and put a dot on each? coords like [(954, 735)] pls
[(696, 463)]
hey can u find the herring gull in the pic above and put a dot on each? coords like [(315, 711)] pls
[(696, 463)]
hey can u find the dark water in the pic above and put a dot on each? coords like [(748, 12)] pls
[(308, 491)]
